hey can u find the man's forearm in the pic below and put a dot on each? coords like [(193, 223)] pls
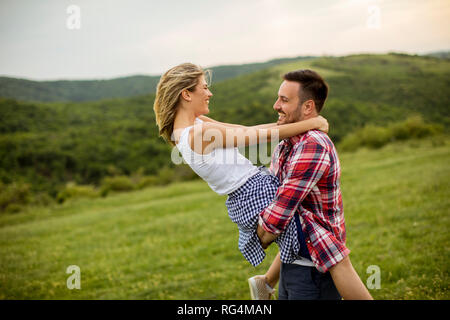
[(266, 238)]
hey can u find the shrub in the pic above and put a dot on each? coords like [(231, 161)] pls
[(14, 195), (42, 199), (104, 191), (166, 175), (117, 183), (72, 190), (148, 182), (183, 172), (112, 170), (375, 137), (13, 208), (414, 127)]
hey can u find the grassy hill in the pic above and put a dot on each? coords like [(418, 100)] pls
[(176, 242), (91, 90)]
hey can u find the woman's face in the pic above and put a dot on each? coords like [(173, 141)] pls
[(200, 97)]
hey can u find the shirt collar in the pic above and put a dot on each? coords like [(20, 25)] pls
[(293, 140)]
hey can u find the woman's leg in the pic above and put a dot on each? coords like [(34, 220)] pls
[(262, 286), (348, 282), (273, 274)]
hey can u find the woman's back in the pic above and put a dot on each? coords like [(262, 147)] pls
[(224, 169)]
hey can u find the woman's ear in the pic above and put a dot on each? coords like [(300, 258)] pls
[(185, 94)]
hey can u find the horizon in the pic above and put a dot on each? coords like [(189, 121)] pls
[(220, 65), (75, 40)]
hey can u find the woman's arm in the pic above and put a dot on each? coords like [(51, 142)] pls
[(207, 119), (260, 126), (265, 126), (207, 136)]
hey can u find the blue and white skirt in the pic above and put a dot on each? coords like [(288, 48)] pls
[(244, 206)]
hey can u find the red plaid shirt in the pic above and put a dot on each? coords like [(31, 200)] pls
[(308, 167)]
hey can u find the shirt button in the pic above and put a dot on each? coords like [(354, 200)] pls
[(309, 241)]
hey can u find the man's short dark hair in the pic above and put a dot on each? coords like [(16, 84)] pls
[(312, 86)]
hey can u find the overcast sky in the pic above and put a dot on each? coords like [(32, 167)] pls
[(39, 39)]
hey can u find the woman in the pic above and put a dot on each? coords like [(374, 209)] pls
[(210, 148)]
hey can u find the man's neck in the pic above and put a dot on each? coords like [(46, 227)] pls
[(309, 116)]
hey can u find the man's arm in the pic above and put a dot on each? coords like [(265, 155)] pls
[(306, 168), (265, 237)]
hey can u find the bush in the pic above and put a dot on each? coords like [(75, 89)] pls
[(375, 137), (183, 172), (14, 195), (414, 127), (42, 199), (166, 176), (72, 190), (118, 183), (148, 182), (13, 208)]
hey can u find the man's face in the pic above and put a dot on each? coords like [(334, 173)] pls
[(287, 104)]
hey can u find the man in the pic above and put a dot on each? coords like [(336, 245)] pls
[(309, 170)]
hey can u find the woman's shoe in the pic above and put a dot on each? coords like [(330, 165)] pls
[(259, 289)]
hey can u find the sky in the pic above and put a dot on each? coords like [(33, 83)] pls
[(104, 39)]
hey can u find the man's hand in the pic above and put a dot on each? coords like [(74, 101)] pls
[(266, 238)]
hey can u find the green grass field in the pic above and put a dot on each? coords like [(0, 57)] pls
[(177, 242)]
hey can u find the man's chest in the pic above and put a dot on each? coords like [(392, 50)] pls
[(286, 163), (282, 161)]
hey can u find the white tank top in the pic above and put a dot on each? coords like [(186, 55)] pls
[(224, 169)]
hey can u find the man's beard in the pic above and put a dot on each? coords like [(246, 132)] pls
[(297, 116)]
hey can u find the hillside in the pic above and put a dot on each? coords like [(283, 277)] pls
[(440, 54), (177, 242), (364, 89), (91, 90), (49, 144)]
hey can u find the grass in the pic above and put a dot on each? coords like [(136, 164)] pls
[(177, 242)]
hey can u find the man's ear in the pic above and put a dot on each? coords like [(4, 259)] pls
[(186, 95), (309, 107)]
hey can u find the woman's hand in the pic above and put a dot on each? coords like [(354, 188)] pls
[(322, 124)]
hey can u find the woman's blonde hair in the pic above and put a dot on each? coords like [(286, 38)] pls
[(177, 79)]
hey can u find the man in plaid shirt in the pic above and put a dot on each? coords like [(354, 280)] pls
[(309, 170)]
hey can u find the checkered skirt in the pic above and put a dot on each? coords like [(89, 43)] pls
[(244, 206)]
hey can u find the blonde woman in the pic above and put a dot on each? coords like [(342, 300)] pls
[(211, 149)]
